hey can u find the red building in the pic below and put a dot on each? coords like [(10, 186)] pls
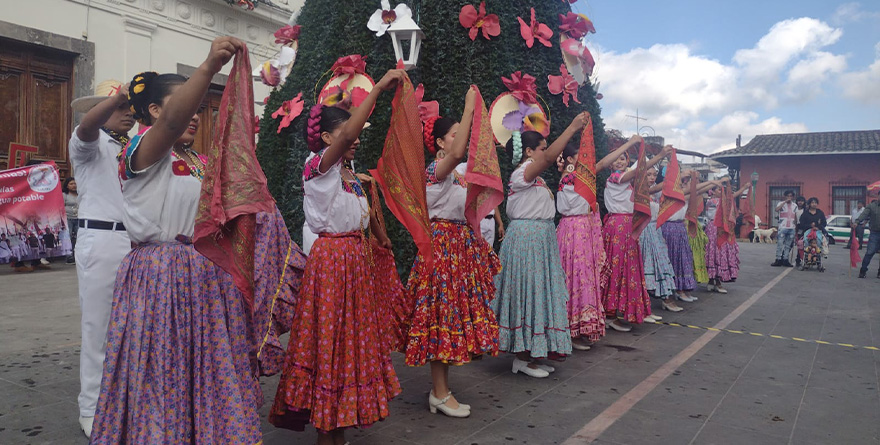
[(834, 167)]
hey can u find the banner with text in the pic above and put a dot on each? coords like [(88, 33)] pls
[(33, 223)]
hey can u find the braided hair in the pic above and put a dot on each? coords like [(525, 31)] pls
[(323, 119), (436, 128), (528, 139), (149, 88)]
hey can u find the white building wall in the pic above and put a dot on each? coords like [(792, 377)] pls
[(131, 36)]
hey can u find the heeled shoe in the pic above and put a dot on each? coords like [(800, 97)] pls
[(667, 307), (711, 288), (649, 319), (523, 366), (720, 290), (618, 326), (544, 367), (435, 404), (580, 346), (686, 298), (463, 405)]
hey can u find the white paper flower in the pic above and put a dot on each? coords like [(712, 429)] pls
[(384, 17)]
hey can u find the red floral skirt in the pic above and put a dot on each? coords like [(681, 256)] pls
[(452, 321), (338, 371)]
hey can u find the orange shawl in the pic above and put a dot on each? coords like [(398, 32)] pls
[(695, 208), (401, 169), (483, 176), (641, 198), (673, 194), (585, 168), (234, 188)]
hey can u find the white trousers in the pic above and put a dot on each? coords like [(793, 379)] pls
[(98, 254), (487, 229)]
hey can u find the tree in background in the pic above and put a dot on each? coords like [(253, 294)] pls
[(450, 62)]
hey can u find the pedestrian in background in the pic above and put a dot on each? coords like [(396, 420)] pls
[(786, 234), (872, 214), (71, 208), (860, 228)]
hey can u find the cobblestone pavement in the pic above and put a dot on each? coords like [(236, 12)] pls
[(657, 384)]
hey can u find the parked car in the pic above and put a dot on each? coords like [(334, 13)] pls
[(838, 227)]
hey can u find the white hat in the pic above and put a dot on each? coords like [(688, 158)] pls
[(103, 91)]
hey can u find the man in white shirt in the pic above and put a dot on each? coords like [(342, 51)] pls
[(787, 223), (101, 242)]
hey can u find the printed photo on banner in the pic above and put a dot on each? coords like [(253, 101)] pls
[(32, 220)]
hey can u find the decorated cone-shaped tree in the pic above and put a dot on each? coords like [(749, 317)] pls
[(450, 61)]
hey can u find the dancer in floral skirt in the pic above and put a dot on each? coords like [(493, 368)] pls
[(582, 254)]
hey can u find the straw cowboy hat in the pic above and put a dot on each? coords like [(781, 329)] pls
[(103, 91)]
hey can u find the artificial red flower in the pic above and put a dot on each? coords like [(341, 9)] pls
[(269, 74), (289, 110), (426, 109), (180, 168), (476, 21), (522, 87), (564, 84), (534, 31), (353, 64), (287, 34), (256, 124), (575, 25)]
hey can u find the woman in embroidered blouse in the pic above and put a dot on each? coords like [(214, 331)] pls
[(659, 275), (722, 262), (180, 361), (532, 296), (338, 371), (623, 289), (452, 321), (579, 236)]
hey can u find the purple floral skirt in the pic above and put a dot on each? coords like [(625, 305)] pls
[(721, 262), (680, 254)]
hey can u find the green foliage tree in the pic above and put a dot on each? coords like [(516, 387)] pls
[(449, 63)]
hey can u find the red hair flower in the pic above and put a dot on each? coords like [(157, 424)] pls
[(534, 31), (575, 25), (180, 168), (426, 109), (476, 21), (564, 84), (287, 34), (353, 64), (256, 124), (289, 110), (522, 87)]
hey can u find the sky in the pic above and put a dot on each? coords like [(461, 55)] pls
[(702, 72)]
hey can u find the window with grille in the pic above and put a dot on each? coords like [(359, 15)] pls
[(844, 198)]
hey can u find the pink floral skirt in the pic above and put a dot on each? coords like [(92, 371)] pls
[(623, 279), (583, 254)]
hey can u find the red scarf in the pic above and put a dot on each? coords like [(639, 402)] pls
[(485, 190), (641, 198), (695, 208), (673, 193), (401, 169), (585, 168), (234, 188), (722, 217), (749, 212)]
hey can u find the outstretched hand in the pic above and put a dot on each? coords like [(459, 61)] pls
[(391, 79), (223, 49)]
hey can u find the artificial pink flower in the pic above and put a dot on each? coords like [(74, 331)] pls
[(564, 84), (352, 64), (287, 34), (522, 86), (576, 48), (534, 31), (476, 21), (575, 25), (426, 109), (289, 110), (256, 124), (270, 75)]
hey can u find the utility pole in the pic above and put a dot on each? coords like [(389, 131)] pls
[(637, 118)]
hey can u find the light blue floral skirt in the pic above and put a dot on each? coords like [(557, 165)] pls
[(531, 294)]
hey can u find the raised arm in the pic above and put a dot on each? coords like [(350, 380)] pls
[(355, 124), (90, 126), (611, 157), (182, 105), (548, 158), (629, 175), (458, 150)]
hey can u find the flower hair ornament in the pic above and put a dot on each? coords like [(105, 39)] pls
[(313, 128), (428, 134), (516, 137), (138, 97)]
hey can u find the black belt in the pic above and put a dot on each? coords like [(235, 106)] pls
[(101, 225)]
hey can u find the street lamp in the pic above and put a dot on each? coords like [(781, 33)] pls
[(754, 179), (404, 30)]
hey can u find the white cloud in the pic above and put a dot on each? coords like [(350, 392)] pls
[(705, 103), (852, 12), (864, 86)]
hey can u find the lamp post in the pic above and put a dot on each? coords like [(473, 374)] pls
[(753, 193), (405, 30)]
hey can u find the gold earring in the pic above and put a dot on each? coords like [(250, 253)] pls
[(569, 168)]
